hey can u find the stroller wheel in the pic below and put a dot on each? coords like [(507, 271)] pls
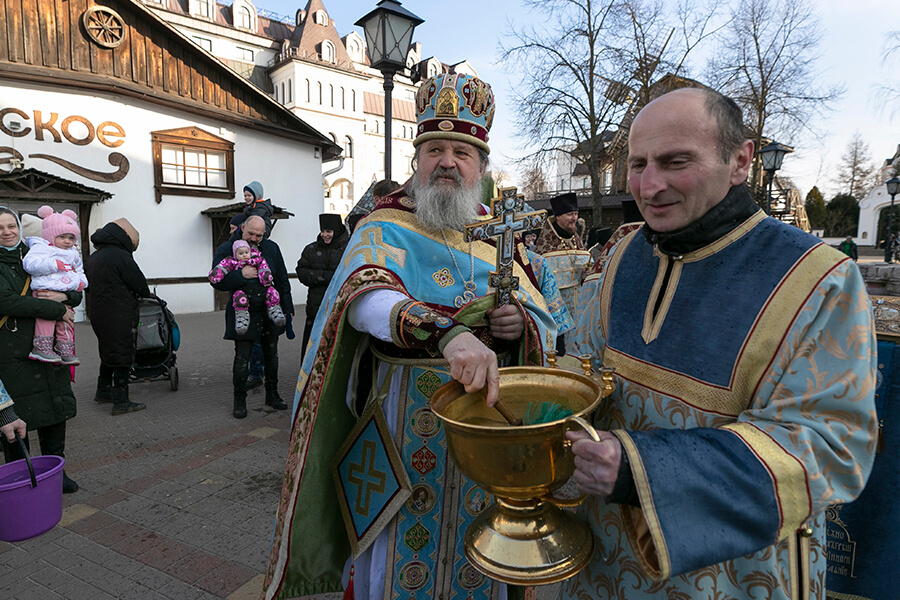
[(173, 378)]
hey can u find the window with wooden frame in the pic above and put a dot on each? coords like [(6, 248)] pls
[(191, 162)]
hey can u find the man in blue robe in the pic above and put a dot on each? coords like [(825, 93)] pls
[(745, 357), (412, 297)]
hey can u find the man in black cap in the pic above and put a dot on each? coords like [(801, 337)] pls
[(317, 265), (563, 250)]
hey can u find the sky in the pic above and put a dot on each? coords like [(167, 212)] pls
[(853, 39)]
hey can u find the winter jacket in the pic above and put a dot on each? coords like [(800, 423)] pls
[(116, 286), (255, 291), (42, 391), (261, 207), (41, 263), (317, 265)]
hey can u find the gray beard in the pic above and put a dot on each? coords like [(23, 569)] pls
[(438, 208)]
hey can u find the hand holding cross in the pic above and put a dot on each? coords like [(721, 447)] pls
[(507, 218)]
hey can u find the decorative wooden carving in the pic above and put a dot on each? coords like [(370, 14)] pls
[(104, 26), (116, 159), (886, 311)]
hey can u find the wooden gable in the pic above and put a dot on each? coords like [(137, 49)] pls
[(120, 47)]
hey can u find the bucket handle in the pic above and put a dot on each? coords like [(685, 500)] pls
[(27, 459)]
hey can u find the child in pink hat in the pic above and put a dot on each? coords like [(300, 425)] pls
[(54, 263), (244, 255)]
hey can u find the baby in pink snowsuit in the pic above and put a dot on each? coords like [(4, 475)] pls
[(243, 256), (54, 263)]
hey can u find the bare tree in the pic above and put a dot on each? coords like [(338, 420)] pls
[(588, 66), (766, 62), (533, 182), (887, 95), (857, 173)]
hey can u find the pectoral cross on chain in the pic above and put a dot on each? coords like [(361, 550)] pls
[(507, 219)]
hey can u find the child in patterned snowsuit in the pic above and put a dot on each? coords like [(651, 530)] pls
[(244, 256), (54, 263)]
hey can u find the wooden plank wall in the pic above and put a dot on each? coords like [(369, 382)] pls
[(49, 35)]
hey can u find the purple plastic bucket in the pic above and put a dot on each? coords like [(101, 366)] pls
[(27, 512)]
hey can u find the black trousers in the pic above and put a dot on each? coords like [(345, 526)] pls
[(117, 376), (241, 368), (52, 439), (307, 329)]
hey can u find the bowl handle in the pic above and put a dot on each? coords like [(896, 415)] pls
[(584, 425), (573, 502)]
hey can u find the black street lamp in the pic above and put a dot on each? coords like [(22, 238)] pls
[(771, 156), (893, 186), (389, 31)]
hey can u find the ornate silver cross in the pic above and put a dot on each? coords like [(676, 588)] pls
[(507, 218)]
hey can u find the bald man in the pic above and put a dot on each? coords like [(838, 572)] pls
[(261, 329), (745, 355)]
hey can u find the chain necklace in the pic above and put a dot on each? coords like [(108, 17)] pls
[(469, 284)]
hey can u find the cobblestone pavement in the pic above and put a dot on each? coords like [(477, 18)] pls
[(177, 501)]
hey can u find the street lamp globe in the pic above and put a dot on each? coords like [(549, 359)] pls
[(389, 30), (893, 186), (771, 156)]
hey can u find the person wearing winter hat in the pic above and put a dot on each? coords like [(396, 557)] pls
[(563, 250), (243, 255), (317, 265), (257, 205), (117, 285), (54, 263), (42, 391), (261, 330)]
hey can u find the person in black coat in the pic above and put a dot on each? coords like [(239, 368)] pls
[(317, 265), (261, 328), (115, 287)]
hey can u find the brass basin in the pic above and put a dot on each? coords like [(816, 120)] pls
[(518, 463), (522, 537)]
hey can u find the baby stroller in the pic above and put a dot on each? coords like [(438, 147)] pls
[(158, 338)]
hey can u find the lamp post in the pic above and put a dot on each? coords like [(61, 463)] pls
[(771, 157), (389, 30), (893, 186)]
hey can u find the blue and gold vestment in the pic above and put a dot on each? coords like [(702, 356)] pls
[(420, 551), (746, 374)]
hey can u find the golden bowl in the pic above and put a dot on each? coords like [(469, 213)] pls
[(523, 537), (523, 462)]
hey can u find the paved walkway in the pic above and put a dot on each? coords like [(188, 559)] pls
[(176, 501)]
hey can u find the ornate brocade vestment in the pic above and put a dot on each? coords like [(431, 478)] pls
[(746, 374), (567, 258), (419, 553)]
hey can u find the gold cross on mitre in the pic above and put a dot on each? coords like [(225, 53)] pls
[(506, 219)]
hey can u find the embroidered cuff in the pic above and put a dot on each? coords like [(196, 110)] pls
[(624, 490), (415, 325)]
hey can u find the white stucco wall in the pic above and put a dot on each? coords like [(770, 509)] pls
[(176, 240), (869, 208)]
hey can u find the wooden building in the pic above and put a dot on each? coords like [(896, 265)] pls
[(108, 110)]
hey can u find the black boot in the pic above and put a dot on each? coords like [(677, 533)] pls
[(104, 390), (121, 403), (240, 405), (69, 486), (274, 400)]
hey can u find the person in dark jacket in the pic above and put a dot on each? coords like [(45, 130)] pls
[(257, 205), (261, 328), (317, 264), (115, 287), (42, 392)]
